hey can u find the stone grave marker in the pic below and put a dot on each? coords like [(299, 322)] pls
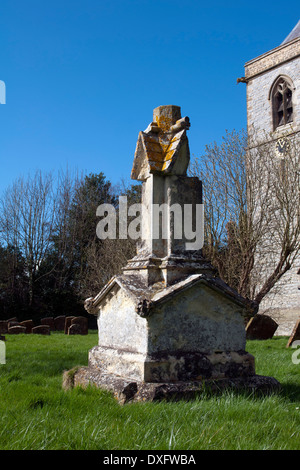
[(68, 323), (59, 322), (168, 327), (16, 329), (41, 330), (48, 321), (82, 322), (3, 326), (295, 336), (75, 329), (13, 323), (29, 324), (261, 327)]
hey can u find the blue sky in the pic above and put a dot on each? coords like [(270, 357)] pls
[(83, 76)]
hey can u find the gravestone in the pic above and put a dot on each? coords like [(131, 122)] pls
[(3, 326), (295, 336), (75, 329), (168, 327), (29, 324), (82, 322), (48, 321), (68, 323), (41, 330), (59, 323), (13, 323), (261, 327), (16, 329)]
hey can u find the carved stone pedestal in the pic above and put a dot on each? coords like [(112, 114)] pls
[(170, 342)]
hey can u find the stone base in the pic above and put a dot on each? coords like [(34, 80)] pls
[(127, 390), (171, 366)]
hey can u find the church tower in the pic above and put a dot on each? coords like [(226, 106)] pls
[(273, 114), (273, 89)]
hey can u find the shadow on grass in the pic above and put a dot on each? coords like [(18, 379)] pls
[(291, 391)]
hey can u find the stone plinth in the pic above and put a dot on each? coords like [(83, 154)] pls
[(166, 342), (166, 332), (125, 390)]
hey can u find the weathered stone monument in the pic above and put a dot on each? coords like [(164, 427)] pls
[(168, 327)]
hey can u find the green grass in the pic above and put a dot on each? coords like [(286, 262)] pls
[(36, 414)]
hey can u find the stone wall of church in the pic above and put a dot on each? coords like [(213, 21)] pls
[(273, 58), (283, 302), (259, 105)]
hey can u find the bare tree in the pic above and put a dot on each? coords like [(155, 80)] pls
[(49, 221), (106, 258), (273, 205), (32, 212), (252, 223)]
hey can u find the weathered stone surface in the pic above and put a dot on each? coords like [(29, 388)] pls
[(29, 324), (68, 323), (168, 366), (125, 390), (41, 330), (272, 60), (161, 161), (295, 336), (261, 327), (181, 324), (59, 322), (163, 146), (48, 321), (3, 326), (17, 329), (82, 322)]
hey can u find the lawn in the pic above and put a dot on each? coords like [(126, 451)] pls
[(36, 414)]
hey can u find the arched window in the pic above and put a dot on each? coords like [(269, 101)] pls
[(282, 101)]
